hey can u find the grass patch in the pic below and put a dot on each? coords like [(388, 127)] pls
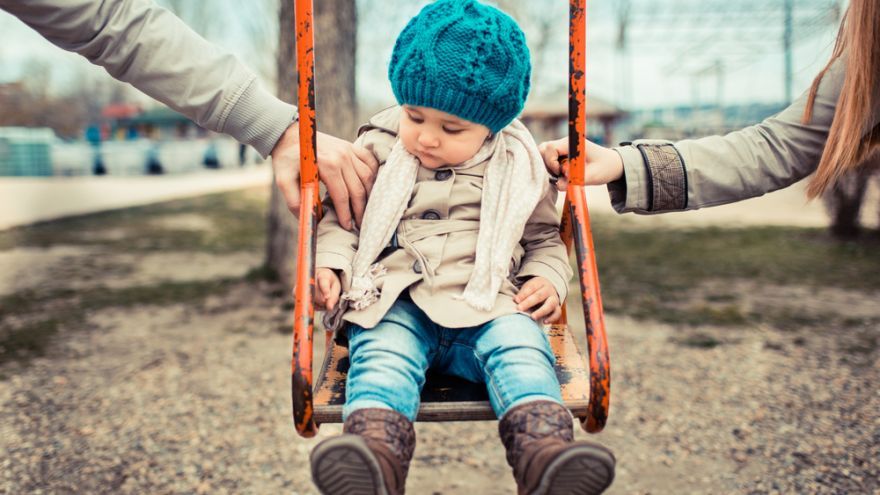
[(262, 273), (699, 341), (654, 274), (157, 294), (224, 223), (862, 343), (27, 340), (29, 320), (237, 219), (674, 260), (647, 274)]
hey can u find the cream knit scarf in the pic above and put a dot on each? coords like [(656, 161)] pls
[(514, 182)]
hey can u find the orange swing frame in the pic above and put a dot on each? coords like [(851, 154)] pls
[(586, 391)]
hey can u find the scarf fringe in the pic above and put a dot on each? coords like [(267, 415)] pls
[(363, 290)]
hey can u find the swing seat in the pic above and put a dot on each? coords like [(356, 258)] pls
[(584, 379), (448, 398)]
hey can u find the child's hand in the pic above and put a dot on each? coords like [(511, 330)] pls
[(329, 287), (539, 293)]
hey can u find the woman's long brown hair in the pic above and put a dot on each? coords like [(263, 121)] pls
[(850, 140)]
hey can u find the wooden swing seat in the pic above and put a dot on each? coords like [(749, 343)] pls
[(448, 398)]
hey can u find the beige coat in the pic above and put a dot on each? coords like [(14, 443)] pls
[(439, 229)]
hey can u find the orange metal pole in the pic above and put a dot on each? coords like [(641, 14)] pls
[(600, 370), (577, 114), (305, 57), (567, 234), (304, 310), (594, 320), (303, 314)]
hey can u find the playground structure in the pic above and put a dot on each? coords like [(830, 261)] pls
[(585, 380)]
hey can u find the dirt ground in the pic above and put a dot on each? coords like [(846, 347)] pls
[(193, 397)]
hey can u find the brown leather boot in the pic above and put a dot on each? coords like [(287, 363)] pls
[(545, 458), (371, 456)]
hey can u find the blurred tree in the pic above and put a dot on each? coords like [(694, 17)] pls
[(205, 18), (335, 47), (28, 103), (248, 29), (546, 30), (36, 74), (261, 30), (844, 201)]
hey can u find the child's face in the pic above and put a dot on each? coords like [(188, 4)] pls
[(439, 139)]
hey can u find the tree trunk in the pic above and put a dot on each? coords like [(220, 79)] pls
[(335, 39), (844, 200)]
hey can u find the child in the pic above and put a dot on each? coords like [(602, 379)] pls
[(460, 240)]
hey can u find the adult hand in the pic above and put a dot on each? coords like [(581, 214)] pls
[(603, 165), (348, 171)]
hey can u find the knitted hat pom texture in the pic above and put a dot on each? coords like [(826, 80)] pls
[(464, 58)]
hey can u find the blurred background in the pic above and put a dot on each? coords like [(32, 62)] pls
[(145, 323), (681, 65), (656, 69)]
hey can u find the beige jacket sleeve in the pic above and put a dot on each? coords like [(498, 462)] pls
[(147, 46), (336, 246), (545, 253), (691, 174)]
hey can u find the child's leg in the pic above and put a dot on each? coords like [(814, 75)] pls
[(385, 379), (512, 354), (388, 362)]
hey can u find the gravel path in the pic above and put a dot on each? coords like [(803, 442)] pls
[(194, 399)]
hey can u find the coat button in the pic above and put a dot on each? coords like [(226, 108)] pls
[(417, 266), (431, 215), (442, 174)]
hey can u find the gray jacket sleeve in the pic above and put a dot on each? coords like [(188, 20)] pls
[(691, 174), (147, 46)]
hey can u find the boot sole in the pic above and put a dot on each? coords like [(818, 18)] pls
[(346, 466), (586, 469)]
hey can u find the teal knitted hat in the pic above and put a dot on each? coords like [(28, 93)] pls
[(464, 58)]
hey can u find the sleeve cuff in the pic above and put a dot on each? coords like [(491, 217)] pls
[(259, 119), (654, 179), (630, 192), (336, 261), (667, 189)]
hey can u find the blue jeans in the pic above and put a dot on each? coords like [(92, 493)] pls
[(510, 354)]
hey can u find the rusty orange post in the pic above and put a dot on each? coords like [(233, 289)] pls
[(304, 310), (577, 112), (576, 206)]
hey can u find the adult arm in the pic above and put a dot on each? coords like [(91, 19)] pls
[(653, 176), (145, 45), (690, 174)]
